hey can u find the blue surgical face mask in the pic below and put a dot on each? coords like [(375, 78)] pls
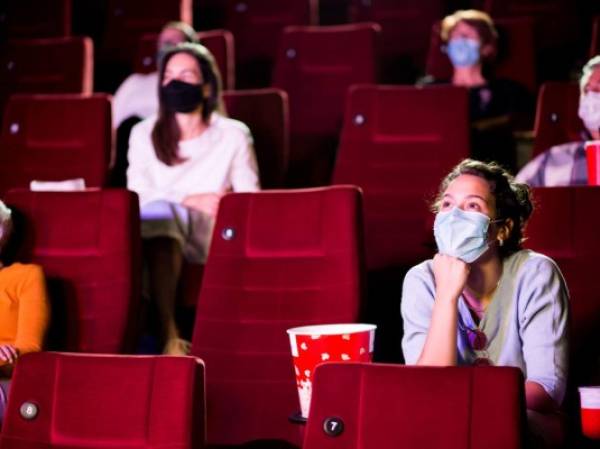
[(461, 234), (463, 52)]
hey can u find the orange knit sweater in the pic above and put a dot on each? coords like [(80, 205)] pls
[(24, 309)]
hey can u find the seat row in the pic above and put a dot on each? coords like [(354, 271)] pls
[(279, 259), (396, 144), (84, 401)]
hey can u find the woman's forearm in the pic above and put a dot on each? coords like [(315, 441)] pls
[(440, 345), (538, 399)]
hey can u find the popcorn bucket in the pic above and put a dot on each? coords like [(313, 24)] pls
[(590, 411), (312, 345)]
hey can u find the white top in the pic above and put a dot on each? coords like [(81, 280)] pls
[(218, 160), (525, 324), (137, 96)]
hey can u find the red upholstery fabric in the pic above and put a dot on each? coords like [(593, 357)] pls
[(59, 65), (257, 26), (88, 244), (91, 401), (556, 119), (402, 407), (595, 40), (397, 143), (128, 20), (28, 19), (295, 259), (405, 26), (219, 42), (515, 60), (565, 227), (266, 112), (55, 137), (315, 66)]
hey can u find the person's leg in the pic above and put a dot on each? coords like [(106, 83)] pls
[(4, 385), (163, 256), (546, 430)]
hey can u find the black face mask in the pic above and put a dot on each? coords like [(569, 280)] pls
[(179, 96)]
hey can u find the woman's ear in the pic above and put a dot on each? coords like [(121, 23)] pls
[(206, 90), (505, 230), (487, 51)]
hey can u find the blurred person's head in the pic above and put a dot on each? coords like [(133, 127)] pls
[(172, 34), (470, 38), (189, 83), (589, 100), (6, 225)]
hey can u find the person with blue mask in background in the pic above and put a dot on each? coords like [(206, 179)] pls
[(496, 106), (483, 300)]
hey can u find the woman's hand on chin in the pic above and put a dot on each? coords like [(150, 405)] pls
[(450, 275), (204, 202)]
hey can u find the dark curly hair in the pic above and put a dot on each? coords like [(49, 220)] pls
[(513, 199)]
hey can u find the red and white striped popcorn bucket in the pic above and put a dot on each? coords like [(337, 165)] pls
[(312, 345)]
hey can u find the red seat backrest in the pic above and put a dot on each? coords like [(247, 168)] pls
[(257, 27), (402, 407), (405, 24), (565, 226), (88, 244), (84, 401), (595, 40), (316, 65), (55, 137), (128, 20), (57, 65), (219, 42), (397, 144), (266, 112), (27, 19), (515, 61), (278, 259), (556, 118)]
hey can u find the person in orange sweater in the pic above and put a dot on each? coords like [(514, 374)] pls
[(24, 309)]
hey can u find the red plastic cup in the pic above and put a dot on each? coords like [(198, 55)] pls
[(313, 345), (590, 411), (592, 152)]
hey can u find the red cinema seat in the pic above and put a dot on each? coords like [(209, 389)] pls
[(279, 259), (595, 40), (84, 401), (58, 65), (128, 20), (564, 226), (266, 112), (27, 19), (316, 66), (405, 28), (556, 118), (219, 42), (55, 137), (89, 246), (397, 144), (406, 407), (515, 59), (257, 26)]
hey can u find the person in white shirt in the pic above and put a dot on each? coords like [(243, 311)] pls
[(181, 162)]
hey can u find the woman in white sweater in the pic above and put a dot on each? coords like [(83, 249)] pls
[(181, 163)]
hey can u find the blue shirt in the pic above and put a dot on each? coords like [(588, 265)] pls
[(525, 323)]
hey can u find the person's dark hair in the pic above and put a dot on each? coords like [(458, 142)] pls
[(479, 20), (513, 199), (186, 29), (166, 133)]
